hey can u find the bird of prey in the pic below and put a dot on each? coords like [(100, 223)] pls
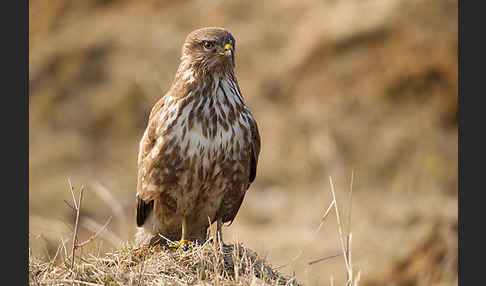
[(199, 152)]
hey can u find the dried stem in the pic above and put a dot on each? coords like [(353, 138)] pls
[(324, 258), (313, 236), (69, 205), (77, 208), (76, 225), (72, 193), (340, 230), (111, 201), (96, 234), (348, 247)]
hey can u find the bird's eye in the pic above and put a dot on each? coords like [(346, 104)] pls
[(208, 44)]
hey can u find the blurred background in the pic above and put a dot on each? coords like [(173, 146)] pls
[(338, 87)]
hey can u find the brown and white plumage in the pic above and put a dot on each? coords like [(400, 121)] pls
[(199, 153)]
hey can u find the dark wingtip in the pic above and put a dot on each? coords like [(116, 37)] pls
[(143, 210), (253, 167)]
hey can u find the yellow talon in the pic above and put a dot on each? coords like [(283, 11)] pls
[(183, 240), (180, 243)]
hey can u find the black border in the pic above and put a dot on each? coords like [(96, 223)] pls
[(26, 98), (15, 102), (23, 66), (471, 121)]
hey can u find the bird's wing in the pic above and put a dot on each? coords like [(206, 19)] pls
[(144, 198), (232, 200), (150, 132), (254, 151)]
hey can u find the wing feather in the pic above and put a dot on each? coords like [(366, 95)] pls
[(144, 199), (255, 151), (232, 200)]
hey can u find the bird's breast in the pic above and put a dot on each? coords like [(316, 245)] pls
[(209, 130)]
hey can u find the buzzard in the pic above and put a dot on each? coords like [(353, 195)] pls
[(199, 152)]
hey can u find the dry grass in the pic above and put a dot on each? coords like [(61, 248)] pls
[(200, 264), (212, 263)]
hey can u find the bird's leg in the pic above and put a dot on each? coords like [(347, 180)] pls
[(219, 226), (183, 240)]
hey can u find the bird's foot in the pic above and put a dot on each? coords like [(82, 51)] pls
[(182, 242)]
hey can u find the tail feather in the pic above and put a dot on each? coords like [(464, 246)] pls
[(143, 210)]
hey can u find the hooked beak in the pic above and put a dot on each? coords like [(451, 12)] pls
[(228, 50)]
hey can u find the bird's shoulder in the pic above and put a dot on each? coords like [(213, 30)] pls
[(152, 130), (158, 106)]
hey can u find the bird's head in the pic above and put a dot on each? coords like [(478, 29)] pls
[(210, 49)]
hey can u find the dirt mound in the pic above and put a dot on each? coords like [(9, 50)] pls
[(199, 265)]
